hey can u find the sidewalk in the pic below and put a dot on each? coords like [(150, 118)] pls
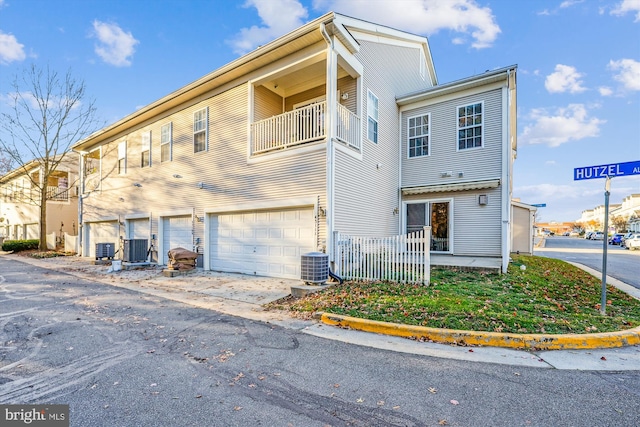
[(243, 296)]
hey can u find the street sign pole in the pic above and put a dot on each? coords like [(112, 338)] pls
[(605, 245)]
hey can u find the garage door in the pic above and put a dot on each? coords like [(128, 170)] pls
[(138, 228), (102, 232), (264, 243), (33, 231), (176, 233)]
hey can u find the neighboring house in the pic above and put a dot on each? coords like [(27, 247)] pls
[(630, 211), (338, 126), (19, 201)]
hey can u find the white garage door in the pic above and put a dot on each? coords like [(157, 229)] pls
[(264, 243), (33, 231), (102, 232), (138, 228), (176, 233)]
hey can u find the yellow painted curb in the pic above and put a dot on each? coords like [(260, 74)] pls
[(491, 339)]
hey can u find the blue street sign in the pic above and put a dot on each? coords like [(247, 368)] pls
[(540, 205), (604, 171)]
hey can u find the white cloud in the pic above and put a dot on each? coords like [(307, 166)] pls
[(278, 16), (565, 124), (569, 3), (605, 91), (10, 49), (115, 46), (425, 17), (564, 79), (628, 6), (628, 72)]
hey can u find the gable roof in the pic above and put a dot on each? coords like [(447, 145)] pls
[(340, 26)]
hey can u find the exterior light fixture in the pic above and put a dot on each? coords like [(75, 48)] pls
[(483, 199)]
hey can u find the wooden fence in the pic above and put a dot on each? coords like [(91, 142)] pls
[(403, 259)]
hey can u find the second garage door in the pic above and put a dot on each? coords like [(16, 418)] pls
[(264, 243)]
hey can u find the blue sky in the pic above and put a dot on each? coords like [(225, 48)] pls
[(578, 65)]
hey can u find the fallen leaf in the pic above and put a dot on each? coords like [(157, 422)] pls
[(252, 386), (197, 397), (261, 377), (237, 408), (433, 390), (380, 402), (603, 358), (517, 374), (360, 400), (442, 422), (454, 402), (470, 350), (396, 407), (336, 385)]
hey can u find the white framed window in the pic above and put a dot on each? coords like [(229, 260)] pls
[(166, 142), (470, 126), (418, 135), (200, 130), (122, 158), (145, 152), (372, 117)]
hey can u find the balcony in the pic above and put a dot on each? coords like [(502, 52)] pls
[(302, 126), (57, 194)]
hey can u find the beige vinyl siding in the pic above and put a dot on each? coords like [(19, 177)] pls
[(365, 194), (475, 163), (228, 179), (267, 104), (349, 86), (476, 229)]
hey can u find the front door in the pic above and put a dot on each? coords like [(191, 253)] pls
[(435, 214)]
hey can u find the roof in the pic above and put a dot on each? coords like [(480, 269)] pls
[(460, 186), (306, 35), (470, 82)]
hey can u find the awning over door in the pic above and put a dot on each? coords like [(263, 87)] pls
[(443, 188)]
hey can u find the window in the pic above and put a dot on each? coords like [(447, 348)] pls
[(200, 130), (418, 136), (437, 214), (122, 158), (372, 117), (145, 160), (470, 126), (166, 143)]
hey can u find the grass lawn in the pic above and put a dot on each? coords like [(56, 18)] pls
[(549, 296)]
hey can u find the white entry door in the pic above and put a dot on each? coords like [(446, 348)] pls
[(263, 243)]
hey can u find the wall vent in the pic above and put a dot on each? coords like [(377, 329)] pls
[(314, 268)]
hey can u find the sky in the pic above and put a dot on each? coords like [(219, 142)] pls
[(578, 66)]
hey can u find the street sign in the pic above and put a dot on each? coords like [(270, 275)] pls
[(604, 171), (540, 205)]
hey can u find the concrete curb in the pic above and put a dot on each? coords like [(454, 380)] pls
[(493, 339)]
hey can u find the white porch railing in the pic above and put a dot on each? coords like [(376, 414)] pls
[(301, 126), (403, 259), (348, 127), (58, 194)]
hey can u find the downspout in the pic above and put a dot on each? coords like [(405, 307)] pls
[(330, 155), (80, 200), (506, 176)]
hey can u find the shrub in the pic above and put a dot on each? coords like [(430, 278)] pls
[(20, 245)]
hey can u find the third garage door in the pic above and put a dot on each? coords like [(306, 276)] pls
[(264, 243)]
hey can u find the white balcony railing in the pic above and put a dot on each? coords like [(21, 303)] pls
[(301, 126), (57, 194)]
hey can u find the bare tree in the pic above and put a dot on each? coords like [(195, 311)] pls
[(5, 163), (47, 114)]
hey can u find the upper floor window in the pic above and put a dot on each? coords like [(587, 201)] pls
[(145, 157), (166, 143), (372, 117), (200, 127), (418, 132), (470, 126), (122, 158)]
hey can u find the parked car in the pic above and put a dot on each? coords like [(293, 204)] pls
[(598, 235), (616, 239), (574, 234), (633, 242), (624, 238), (588, 234)]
